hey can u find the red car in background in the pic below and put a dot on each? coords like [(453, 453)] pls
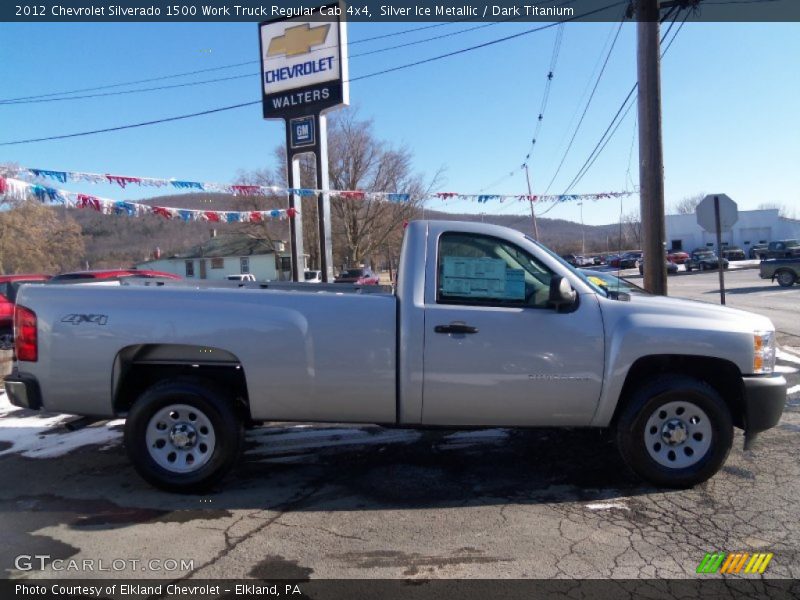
[(677, 257), (9, 285), (84, 276), (359, 276)]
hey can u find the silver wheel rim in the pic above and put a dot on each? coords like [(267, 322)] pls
[(180, 438), (678, 435)]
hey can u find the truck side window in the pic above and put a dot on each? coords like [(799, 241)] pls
[(484, 270)]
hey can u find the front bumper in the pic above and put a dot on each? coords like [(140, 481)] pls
[(23, 391), (764, 400)]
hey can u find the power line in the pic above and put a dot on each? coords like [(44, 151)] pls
[(245, 75), (614, 125), (362, 77), (210, 69), (546, 93), (666, 17), (41, 97), (586, 108), (545, 96)]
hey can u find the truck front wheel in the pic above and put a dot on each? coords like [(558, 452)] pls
[(183, 435), (675, 432), (785, 278)]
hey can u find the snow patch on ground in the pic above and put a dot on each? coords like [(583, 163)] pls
[(42, 435), (787, 356), (784, 369), (607, 506)]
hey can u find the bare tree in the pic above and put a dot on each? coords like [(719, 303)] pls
[(688, 205), (364, 229), (632, 225), (35, 238)]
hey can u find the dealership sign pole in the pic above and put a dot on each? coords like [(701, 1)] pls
[(304, 75)]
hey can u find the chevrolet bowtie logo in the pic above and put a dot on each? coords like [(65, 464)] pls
[(298, 40)]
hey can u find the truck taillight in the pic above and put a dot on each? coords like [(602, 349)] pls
[(26, 339)]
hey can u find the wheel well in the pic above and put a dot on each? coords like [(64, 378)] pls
[(139, 367), (722, 375)]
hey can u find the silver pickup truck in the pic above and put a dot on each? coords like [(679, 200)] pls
[(487, 328)]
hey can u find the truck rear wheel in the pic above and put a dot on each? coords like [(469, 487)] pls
[(183, 435), (675, 432), (785, 278)]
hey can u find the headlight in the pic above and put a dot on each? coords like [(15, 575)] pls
[(763, 352)]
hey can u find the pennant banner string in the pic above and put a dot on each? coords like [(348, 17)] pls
[(260, 190), (16, 190)]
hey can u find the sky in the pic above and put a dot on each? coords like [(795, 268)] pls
[(730, 94)]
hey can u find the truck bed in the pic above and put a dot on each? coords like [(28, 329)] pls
[(314, 355)]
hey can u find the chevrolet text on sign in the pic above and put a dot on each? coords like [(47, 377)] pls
[(303, 64)]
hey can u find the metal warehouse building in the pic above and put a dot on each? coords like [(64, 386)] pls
[(753, 227)]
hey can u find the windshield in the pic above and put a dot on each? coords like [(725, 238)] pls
[(601, 282), (592, 284)]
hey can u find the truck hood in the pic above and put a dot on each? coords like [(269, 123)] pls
[(736, 320)]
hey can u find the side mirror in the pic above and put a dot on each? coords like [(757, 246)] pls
[(561, 292)]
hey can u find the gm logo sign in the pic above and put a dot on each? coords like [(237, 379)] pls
[(302, 132)]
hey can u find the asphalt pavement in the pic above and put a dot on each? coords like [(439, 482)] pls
[(341, 501)]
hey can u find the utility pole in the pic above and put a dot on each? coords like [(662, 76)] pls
[(651, 156), (530, 200)]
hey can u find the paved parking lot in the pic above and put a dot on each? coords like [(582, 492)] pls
[(343, 501)]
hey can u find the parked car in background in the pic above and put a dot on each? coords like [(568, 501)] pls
[(783, 249), (107, 274), (358, 276), (704, 259), (626, 261), (241, 277), (785, 270), (671, 267), (758, 251), (571, 259), (677, 256), (733, 253), (584, 261), (312, 276), (9, 285)]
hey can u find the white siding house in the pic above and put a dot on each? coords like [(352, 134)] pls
[(227, 255), (753, 227)]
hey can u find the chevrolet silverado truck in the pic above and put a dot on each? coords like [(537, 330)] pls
[(785, 270), (486, 328)]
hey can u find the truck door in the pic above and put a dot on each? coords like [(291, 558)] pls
[(495, 352)]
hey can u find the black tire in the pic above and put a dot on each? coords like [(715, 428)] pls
[(648, 403), (688, 267), (217, 408), (785, 278), (6, 339)]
